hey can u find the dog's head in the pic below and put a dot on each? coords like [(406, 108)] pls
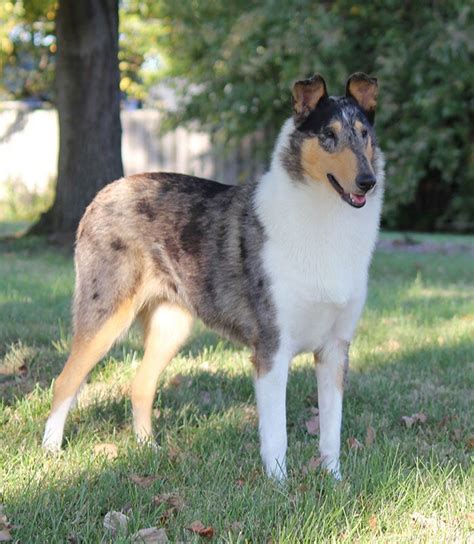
[(334, 138)]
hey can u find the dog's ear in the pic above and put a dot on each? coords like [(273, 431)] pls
[(306, 95), (363, 89)]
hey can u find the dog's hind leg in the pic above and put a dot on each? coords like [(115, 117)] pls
[(86, 351), (166, 327)]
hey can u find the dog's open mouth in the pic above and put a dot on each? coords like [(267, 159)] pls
[(355, 200)]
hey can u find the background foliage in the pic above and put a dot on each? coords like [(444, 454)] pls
[(243, 57), (232, 65)]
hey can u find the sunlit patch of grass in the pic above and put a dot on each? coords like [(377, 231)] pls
[(413, 353)]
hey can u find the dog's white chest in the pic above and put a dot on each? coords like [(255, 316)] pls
[(311, 297), (316, 256)]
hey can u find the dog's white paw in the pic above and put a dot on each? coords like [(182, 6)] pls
[(276, 471), (147, 442), (333, 466), (51, 445)]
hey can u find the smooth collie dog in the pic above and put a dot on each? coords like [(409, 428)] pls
[(279, 265)]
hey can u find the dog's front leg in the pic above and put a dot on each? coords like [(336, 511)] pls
[(331, 365), (270, 389)]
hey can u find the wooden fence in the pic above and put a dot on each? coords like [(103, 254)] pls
[(29, 143)]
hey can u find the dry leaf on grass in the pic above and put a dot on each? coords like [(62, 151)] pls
[(313, 464), (470, 519), (236, 527), (206, 398), (5, 535), (115, 522), (426, 522), (174, 453), (151, 535), (107, 450), (199, 528), (470, 443), (409, 421), (5, 526), (240, 482), (373, 522), (370, 436), (312, 425), (176, 380), (173, 501), (353, 443), (143, 481)]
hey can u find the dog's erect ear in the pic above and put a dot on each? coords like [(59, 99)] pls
[(363, 89), (306, 95)]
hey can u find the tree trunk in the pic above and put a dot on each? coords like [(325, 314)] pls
[(88, 102)]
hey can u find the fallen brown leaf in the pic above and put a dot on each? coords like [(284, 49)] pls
[(236, 526), (174, 453), (5, 535), (206, 398), (199, 528), (151, 535), (176, 380), (312, 425), (424, 521), (107, 450), (470, 443), (373, 522), (173, 501), (3, 516), (457, 434), (353, 443), (5, 526), (115, 522), (143, 481), (409, 421), (313, 464), (240, 482), (370, 436), (170, 499)]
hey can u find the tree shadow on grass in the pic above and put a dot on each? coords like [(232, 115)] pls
[(413, 381), (200, 427)]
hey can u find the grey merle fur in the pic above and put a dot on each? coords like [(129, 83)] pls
[(201, 239)]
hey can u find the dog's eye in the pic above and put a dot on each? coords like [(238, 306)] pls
[(329, 134), (364, 133)]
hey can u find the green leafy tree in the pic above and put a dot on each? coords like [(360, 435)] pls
[(241, 57)]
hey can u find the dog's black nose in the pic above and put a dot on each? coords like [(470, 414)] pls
[(365, 182)]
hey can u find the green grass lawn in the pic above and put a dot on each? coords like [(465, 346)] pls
[(413, 354)]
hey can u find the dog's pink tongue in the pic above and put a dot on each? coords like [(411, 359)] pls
[(358, 199)]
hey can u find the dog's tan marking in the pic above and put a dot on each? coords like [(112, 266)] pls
[(166, 327), (370, 150), (336, 126), (318, 163), (342, 367), (262, 365), (86, 352)]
